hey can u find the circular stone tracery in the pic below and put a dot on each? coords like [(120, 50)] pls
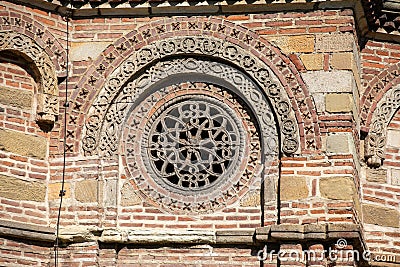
[(193, 142), (191, 148)]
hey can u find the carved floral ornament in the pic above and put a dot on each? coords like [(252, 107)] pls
[(254, 81), (47, 95), (375, 145)]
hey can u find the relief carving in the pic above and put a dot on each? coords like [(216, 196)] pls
[(376, 141), (47, 97), (107, 117)]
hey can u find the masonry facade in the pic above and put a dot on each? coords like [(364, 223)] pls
[(191, 134)]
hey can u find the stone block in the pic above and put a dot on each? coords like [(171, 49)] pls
[(342, 61), (55, 188), (393, 138), (23, 144), (16, 98), (251, 199), (110, 192), (319, 101), (338, 143), (313, 61), (87, 50), (270, 185), (17, 189), (340, 42), (235, 236), (338, 103), (395, 176), (376, 175), (337, 188), (378, 215), (129, 197), (329, 82), (295, 43), (86, 191), (293, 188)]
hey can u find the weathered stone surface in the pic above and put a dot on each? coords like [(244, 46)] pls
[(23, 144), (158, 236), (296, 43), (342, 61), (27, 231), (251, 199), (16, 98), (55, 188), (270, 185), (87, 50), (110, 192), (378, 215), (235, 236), (334, 42), (78, 233), (128, 195), (338, 102), (338, 188), (86, 191), (319, 100), (393, 138), (376, 175), (329, 82), (293, 188), (338, 143), (17, 189), (395, 176), (313, 61)]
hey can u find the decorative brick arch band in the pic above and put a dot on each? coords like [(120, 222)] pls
[(47, 96), (375, 91), (218, 29), (387, 107), (107, 112), (12, 21)]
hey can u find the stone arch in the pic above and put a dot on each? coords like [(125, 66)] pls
[(104, 117), (40, 34), (375, 90), (385, 110), (225, 31), (37, 62)]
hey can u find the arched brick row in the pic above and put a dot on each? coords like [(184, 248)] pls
[(374, 92), (96, 75), (39, 33)]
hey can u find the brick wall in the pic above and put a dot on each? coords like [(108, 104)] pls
[(317, 58), (381, 197)]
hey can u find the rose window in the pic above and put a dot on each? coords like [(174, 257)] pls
[(191, 148), (194, 142)]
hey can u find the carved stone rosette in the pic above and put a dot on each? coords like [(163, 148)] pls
[(375, 145), (47, 95)]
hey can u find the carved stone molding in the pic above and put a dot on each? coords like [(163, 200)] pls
[(102, 139), (47, 95), (375, 145)]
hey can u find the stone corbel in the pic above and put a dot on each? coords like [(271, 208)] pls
[(47, 110)]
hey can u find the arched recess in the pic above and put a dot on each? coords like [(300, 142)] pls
[(30, 56), (173, 68), (98, 73), (381, 117), (102, 123)]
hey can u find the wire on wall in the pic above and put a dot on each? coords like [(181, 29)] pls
[(66, 104)]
